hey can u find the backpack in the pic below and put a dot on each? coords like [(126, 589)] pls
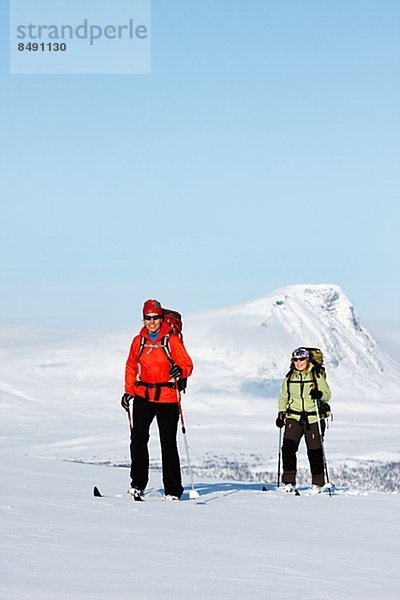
[(317, 359), (174, 320)]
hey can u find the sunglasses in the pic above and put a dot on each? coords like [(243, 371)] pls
[(298, 359), (152, 317)]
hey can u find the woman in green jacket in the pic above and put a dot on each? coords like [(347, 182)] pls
[(302, 388)]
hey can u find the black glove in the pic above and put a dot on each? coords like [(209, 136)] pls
[(316, 394), (126, 398), (324, 409), (280, 420), (175, 371)]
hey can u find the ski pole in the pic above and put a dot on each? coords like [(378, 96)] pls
[(193, 494), (279, 457), (322, 448)]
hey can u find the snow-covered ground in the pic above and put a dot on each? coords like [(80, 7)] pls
[(63, 432), (237, 541)]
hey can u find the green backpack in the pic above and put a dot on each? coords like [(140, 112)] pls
[(317, 359)]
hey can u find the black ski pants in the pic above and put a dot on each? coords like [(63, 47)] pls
[(167, 415), (294, 431)]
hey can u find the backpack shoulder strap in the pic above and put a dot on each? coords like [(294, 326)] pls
[(182, 381), (288, 377), (166, 347), (314, 376), (141, 347)]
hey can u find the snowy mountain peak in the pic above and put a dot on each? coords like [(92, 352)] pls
[(318, 297), (326, 298), (323, 313)]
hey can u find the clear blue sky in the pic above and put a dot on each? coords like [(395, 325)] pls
[(263, 150)]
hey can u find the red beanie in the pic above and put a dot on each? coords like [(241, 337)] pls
[(153, 307)]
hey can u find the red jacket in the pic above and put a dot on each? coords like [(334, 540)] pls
[(153, 365)]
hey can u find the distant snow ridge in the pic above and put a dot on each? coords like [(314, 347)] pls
[(255, 339)]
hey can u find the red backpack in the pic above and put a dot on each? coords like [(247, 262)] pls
[(174, 320)]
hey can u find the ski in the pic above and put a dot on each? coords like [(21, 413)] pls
[(149, 497), (295, 492), (98, 494), (136, 497), (328, 488)]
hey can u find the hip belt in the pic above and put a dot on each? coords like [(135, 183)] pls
[(303, 412), (156, 386), (303, 416)]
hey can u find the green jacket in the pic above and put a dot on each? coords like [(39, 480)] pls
[(299, 399)]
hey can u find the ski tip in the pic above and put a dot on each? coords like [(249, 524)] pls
[(96, 492)]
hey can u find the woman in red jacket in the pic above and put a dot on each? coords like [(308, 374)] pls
[(156, 360)]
